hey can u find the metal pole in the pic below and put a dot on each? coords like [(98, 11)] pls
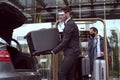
[(105, 39), (55, 61)]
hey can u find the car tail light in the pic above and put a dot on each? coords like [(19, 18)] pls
[(4, 56)]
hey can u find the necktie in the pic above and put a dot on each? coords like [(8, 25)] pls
[(95, 48)]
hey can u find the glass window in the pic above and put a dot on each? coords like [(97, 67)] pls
[(50, 3), (27, 3), (59, 2)]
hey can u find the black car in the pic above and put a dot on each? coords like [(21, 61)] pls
[(14, 64)]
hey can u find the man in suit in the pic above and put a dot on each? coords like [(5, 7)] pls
[(96, 47), (70, 46)]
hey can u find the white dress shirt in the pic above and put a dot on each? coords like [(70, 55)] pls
[(98, 47)]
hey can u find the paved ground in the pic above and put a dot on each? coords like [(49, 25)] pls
[(112, 78), (91, 79)]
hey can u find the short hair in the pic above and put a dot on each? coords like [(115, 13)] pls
[(65, 9), (94, 29)]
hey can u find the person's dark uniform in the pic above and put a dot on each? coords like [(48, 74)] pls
[(90, 50), (71, 48)]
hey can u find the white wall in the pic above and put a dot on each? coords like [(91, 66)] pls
[(22, 31)]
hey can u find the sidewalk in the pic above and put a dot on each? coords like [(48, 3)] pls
[(113, 78)]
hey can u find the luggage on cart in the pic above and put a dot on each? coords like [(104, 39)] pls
[(85, 67), (43, 40), (99, 70)]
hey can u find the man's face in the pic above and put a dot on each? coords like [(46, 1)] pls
[(92, 33), (62, 16)]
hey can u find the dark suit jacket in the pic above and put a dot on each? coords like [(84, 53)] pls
[(90, 50), (70, 41)]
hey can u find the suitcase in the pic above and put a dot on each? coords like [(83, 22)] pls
[(99, 70), (43, 40), (85, 67)]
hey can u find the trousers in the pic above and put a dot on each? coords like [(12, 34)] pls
[(66, 69)]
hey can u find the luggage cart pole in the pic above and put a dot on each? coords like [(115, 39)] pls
[(105, 41), (106, 52), (55, 61), (55, 57), (55, 67)]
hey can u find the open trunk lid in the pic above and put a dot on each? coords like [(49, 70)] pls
[(10, 18)]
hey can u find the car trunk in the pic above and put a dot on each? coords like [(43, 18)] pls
[(22, 66), (10, 18)]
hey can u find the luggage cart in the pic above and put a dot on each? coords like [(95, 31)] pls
[(55, 57)]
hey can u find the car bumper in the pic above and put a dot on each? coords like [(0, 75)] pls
[(20, 76)]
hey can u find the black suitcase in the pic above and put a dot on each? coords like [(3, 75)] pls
[(43, 40)]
